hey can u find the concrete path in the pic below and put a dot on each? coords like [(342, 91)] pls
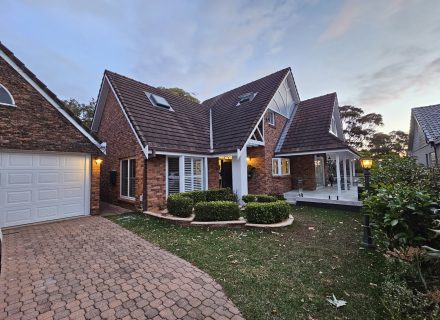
[(91, 268)]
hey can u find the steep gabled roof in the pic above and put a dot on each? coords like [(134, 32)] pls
[(309, 130), (185, 129), (429, 120), (32, 79), (232, 124)]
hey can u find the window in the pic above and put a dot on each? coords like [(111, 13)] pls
[(6, 98), (128, 178), (193, 174), (432, 156), (246, 97), (333, 127), (158, 101), (271, 117), (280, 166), (173, 175)]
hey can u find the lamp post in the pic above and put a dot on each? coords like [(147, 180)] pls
[(367, 240)]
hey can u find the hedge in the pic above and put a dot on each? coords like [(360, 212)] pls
[(217, 211), (196, 196), (224, 194), (179, 205), (258, 198), (267, 212)]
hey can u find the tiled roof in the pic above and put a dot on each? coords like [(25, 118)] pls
[(186, 129), (232, 124), (309, 130), (429, 120)]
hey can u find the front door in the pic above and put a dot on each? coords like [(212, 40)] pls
[(226, 174), (319, 172)]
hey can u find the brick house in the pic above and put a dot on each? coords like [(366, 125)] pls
[(47, 158), (257, 138)]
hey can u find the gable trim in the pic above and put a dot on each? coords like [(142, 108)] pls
[(144, 149), (52, 102)]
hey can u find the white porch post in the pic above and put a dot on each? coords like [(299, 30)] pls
[(344, 167), (351, 173), (338, 174), (239, 174)]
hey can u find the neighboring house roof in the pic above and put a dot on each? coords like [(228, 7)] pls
[(428, 119), (309, 131), (232, 124), (185, 129), (16, 63)]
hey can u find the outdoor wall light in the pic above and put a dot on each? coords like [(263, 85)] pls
[(98, 161)]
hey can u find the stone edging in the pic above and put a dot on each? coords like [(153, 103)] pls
[(234, 223)]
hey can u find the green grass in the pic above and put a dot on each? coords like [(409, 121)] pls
[(283, 274)]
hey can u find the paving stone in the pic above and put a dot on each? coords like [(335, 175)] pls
[(90, 268)]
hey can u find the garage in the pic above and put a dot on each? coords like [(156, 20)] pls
[(37, 187)]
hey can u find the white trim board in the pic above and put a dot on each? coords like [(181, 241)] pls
[(51, 101), (316, 152)]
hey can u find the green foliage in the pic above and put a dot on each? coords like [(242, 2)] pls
[(196, 196), (279, 196), (403, 215), (224, 194), (267, 212), (181, 93), (258, 198), (81, 110), (179, 205), (217, 211)]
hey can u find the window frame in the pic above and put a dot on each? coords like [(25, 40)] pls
[(271, 116), (10, 95), (127, 197), (279, 166)]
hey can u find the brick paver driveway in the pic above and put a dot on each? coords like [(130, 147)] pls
[(90, 268)]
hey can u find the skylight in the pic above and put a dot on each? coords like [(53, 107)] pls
[(246, 97), (158, 101)]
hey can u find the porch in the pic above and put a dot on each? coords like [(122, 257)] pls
[(325, 195)]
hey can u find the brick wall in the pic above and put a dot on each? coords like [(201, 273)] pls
[(121, 144), (303, 167), (156, 183), (261, 158), (213, 173), (95, 186), (34, 124)]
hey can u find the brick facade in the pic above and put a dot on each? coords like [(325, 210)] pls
[(263, 182), (303, 168), (213, 173), (156, 183), (35, 125)]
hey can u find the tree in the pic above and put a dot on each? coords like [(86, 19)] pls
[(359, 127), (81, 110), (382, 144), (181, 93)]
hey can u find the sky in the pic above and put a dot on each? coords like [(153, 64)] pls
[(380, 55)]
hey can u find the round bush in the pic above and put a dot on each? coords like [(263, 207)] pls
[(217, 211), (224, 194), (179, 205), (267, 212), (196, 196)]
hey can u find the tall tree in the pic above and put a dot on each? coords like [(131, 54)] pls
[(181, 93), (82, 110), (394, 142), (359, 127)]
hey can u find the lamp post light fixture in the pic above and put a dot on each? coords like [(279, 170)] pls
[(367, 240)]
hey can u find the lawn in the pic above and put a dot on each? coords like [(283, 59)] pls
[(282, 274)]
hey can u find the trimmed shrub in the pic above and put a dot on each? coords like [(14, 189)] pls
[(196, 196), (224, 194), (258, 198), (217, 211), (267, 212), (179, 205), (279, 196)]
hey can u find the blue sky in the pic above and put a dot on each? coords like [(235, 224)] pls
[(382, 55)]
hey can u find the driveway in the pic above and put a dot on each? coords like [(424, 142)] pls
[(90, 268)]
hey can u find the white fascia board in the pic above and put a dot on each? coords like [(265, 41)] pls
[(315, 152), (144, 149), (52, 102)]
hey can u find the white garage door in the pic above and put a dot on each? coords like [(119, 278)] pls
[(37, 187)]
